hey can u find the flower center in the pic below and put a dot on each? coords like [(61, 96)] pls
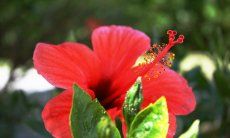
[(102, 92), (158, 54)]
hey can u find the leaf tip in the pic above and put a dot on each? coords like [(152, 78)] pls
[(161, 101)]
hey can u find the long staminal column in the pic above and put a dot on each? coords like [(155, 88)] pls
[(144, 68)]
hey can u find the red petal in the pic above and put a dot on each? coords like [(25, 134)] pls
[(118, 47), (179, 95), (66, 64), (172, 126), (56, 115), (114, 112)]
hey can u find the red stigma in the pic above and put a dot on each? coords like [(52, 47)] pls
[(171, 40)]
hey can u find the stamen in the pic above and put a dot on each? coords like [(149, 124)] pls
[(159, 54), (168, 59)]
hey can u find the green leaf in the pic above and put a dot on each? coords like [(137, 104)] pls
[(107, 129), (152, 122), (132, 102), (85, 115), (192, 132)]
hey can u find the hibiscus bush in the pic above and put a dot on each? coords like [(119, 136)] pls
[(115, 81)]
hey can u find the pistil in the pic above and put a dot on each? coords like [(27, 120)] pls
[(150, 62)]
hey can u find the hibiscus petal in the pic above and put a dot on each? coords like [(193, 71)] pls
[(118, 47), (114, 112), (56, 115), (172, 126), (174, 87), (66, 64)]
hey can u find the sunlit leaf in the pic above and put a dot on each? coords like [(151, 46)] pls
[(152, 122), (107, 129), (192, 132)]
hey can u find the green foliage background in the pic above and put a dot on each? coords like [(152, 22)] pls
[(205, 23)]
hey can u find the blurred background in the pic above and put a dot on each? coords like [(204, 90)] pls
[(204, 58)]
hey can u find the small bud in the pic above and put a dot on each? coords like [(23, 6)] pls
[(132, 103)]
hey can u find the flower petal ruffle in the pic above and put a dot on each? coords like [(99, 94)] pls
[(56, 115), (172, 126), (174, 87), (68, 63), (118, 47)]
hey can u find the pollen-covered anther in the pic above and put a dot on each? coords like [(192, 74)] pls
[(168, 59), (159, 54), (155, 72)]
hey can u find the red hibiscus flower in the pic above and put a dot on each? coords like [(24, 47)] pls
[(106, 73)]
